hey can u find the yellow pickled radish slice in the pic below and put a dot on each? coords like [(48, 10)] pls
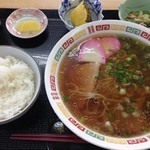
[(79, 15), (28, 26)]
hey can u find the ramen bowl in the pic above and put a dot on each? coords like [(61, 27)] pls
[(20, 82), (61, 88)]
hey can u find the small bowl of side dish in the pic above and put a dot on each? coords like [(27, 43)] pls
[(20, 81), (137, 12), (26, 22), (97, 81), (75, 13)]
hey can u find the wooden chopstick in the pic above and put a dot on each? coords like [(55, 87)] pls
[(48, 137)]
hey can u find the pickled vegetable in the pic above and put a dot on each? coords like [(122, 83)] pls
[(80, 14), (28, 26)]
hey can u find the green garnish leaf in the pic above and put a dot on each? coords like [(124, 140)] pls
[(141, 81), (82, 119), (124, 104), (99, 77), (132, 100), (130, 110), (66, 98), (111, 116)]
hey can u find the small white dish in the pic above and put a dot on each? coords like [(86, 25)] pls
[(24, 14)]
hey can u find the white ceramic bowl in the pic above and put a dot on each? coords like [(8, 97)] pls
[(51, 81), (130, 5), (25, 14), (21, 54)]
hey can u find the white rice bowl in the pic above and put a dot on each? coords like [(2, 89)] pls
[(19, 83)]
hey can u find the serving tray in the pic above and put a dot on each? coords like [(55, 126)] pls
[(41, 117)]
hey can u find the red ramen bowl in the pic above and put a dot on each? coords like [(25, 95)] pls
[(97, 81)]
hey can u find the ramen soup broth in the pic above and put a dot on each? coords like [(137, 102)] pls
[(111, 98)]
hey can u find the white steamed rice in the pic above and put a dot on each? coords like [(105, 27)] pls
[(16, 86)]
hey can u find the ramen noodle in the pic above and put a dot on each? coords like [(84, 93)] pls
[(111, 98)]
